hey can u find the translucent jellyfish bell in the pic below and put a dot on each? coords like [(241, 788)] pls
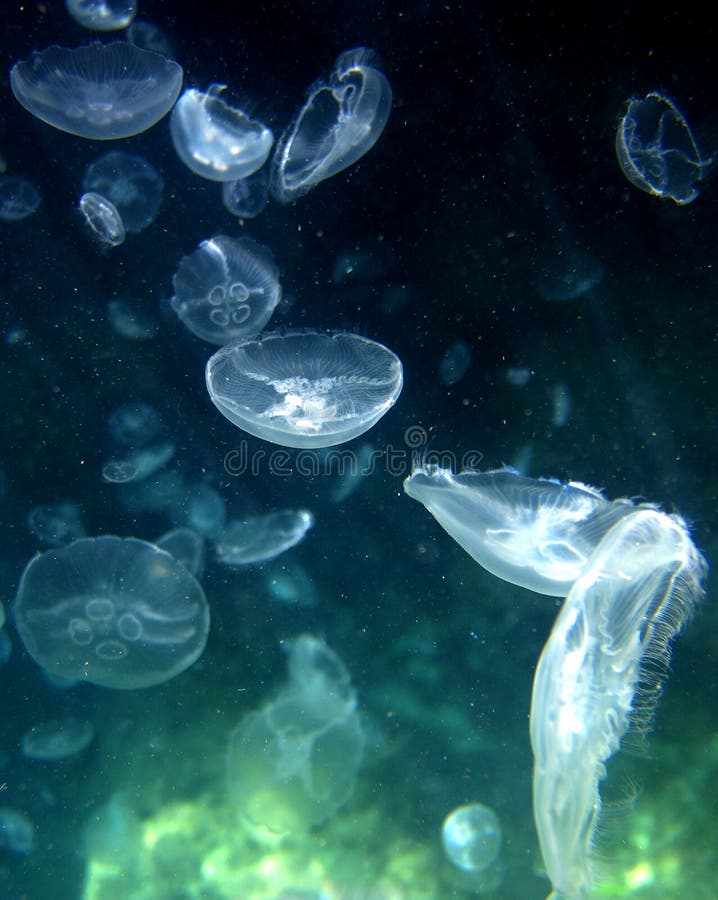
[(100, 91), (226, 289), (102, 15), (130, 183), (18, 198), (215, 140), (471, 836), (57, 739), (536, 533), (262, 538), (657, 151), (304, 388), (341, 121), (118, 612)]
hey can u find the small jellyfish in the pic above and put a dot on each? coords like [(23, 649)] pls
[(455, 363), (134, 424), (147, 36), (304, 389), (341, 120), (130, 183), (18, 198), (102, 15), (216, 140), (56, 524), (139, 463), (99, 91), (130, 323), (118, 471), (471, 836), (535, 533), (262, 538), (656, 149), (353, 472), (226, 289), (17, 833), (293, 763), (57, 739), (104, 221), (290, 584), (117, 612), (246, 197), (202, 509)]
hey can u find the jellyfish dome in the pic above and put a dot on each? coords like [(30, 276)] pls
[(226, 289), (537, 533), (18, 198), (471, 836), (103, 219), (130, 183), (216, 140), (304, 389), (102, 15), (99, 91), (118, 612), (341, 120), (657, 151)]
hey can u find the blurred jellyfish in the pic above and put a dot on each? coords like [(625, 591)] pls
[(134, 424), (290, 584), (139, 463), (99, 91), (226, 289), (358, 264), (262, 538), (5, 646), (247, 197), (17, 833), (130, 183), (341, 120), (130, 323), (518, 376), (57, 739), (160, 494), (102, 15), (186, 546), (353, 471), (293, 763), (117, 612), (104, 221), (656, 149), (56, 524), (202, 509), (148, 36), (561, 404), (18, 198), (215, 140), (535, 533), (455, 363), (304, 389), (471, 836)]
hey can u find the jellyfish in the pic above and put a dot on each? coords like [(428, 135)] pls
[(130, 183), (103, 219), (262, 538), (656, 149), (246, 197), (102, 15), (187, 547), (18, 198), (471, 836), (56, 524), (134, 424), (341, 120), (226, 289), (118, 612), (17, 832), (216, 140), (454, 363), (600, 674), (57, 739), (203, 509), (293, 763), (99, 91), (536, 533), (304, 388)]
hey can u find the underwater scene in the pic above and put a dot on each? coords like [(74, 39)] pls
[(358, 471)]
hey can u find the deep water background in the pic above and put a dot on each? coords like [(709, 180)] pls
[(500, 142)]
